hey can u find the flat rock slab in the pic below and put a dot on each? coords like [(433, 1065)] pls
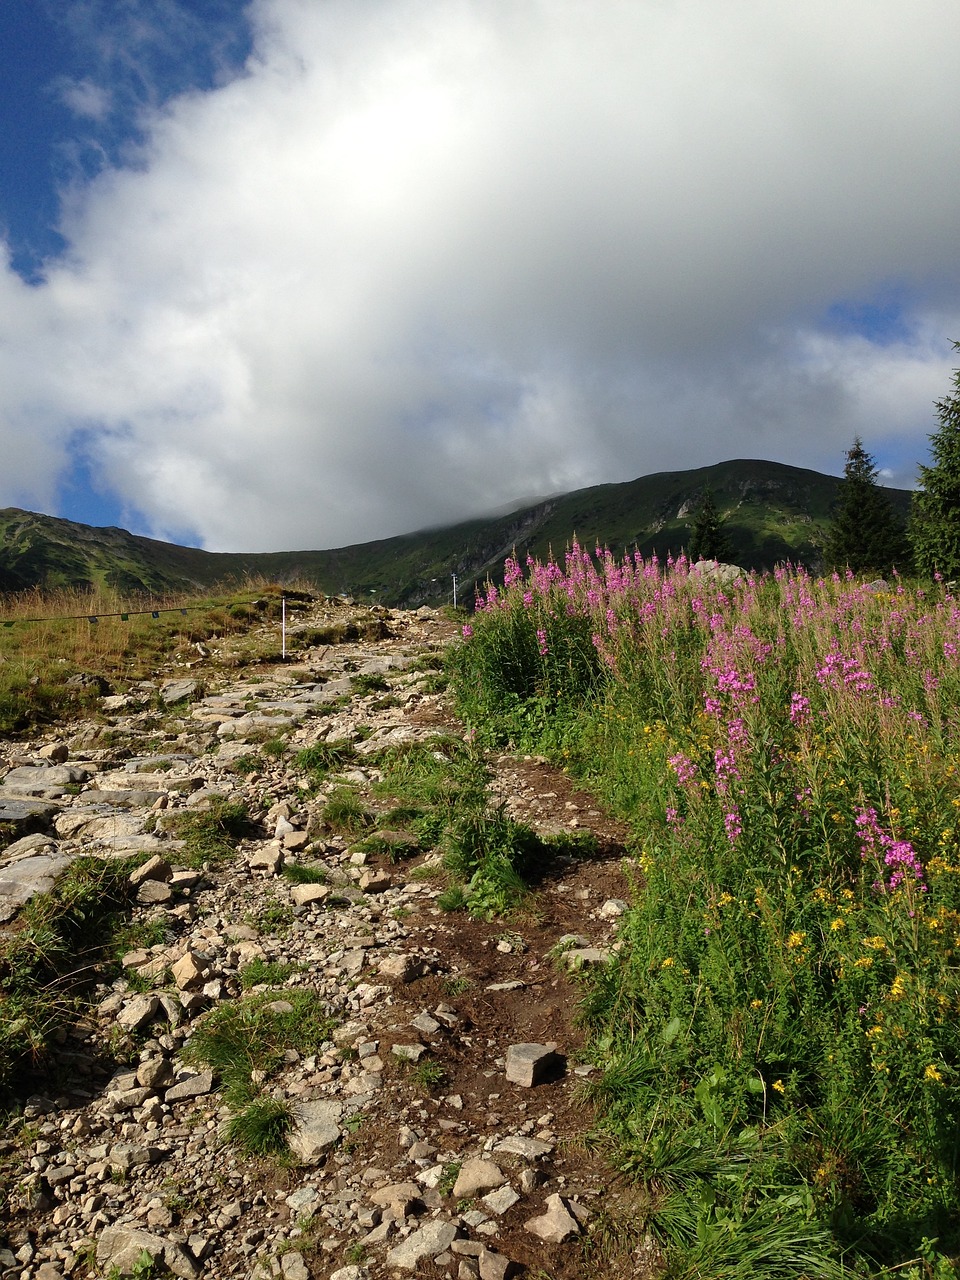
[(26, 815), (21, 880), (123, 1247), (316, 1129), (174, 691), (429, 1242), (97, 825), (54, 775)]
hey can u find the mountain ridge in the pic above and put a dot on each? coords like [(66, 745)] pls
[(772, 512)]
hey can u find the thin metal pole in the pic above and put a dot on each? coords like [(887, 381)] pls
[(283, 627), (454, 590)]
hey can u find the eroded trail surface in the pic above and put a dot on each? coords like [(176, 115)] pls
[(420, 1144)]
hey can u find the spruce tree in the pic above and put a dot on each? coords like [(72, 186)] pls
[(865, 534), (935, 510), (708, 539)]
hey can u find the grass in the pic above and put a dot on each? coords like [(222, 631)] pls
[(270, 973), (38, 659), (210, 835), (61, 940), (303, 873), (364, 684), (345, 812), (275, 918), (776, 1041), (244, 1042), (325, 757), (260, 1128), (427, 1075)]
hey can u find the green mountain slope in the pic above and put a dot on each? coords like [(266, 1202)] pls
[(772, 513)]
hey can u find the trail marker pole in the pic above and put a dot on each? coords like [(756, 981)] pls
[(283, 627)]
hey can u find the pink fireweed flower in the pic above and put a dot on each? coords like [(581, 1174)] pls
[(733, 825), (511, 572), (466, 631), (542, 641), (899, 855), (684, 768), (799, 708), (527, 599), (736, 733), (725, 768)]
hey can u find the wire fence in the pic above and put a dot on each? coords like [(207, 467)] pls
[(124, 616)]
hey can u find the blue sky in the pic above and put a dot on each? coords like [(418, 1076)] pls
[(289, 274)]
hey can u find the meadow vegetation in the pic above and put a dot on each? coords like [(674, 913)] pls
[(779, 1035), (49, 638)]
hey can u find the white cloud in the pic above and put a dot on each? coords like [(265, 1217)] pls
[(84, 98), (422, 257)]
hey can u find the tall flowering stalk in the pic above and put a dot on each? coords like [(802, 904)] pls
[(788, 749)]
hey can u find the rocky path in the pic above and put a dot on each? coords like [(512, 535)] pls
[(437, 1132)]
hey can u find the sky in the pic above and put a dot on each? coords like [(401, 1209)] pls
[(295, 274)]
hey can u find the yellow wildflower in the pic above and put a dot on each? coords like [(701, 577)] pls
[(837, 924), (779, 1086), (932, 1073), (796, 939)]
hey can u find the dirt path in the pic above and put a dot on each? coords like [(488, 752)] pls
[(122, 1151)]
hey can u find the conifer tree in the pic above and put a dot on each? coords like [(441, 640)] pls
[(865, 534), (708, 538), (935, 510)]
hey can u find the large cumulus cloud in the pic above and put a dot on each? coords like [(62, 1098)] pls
[(425, 256)]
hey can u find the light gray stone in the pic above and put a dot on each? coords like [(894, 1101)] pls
[(578, 958), (20, 880), (132, 1155), (525, 1148), (155, 868), (191, 1087), (305, 894), (431, 1240), (316, 1129), (527, 1064), (501, 1200), (293, 1267), (402, 968), (138, 1012), (174, 691), (556, 1224), (123, 1246), (477, 1175)]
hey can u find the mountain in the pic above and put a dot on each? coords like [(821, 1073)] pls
[(772, 513)]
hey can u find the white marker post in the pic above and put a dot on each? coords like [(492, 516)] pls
[(283, 627), (454, 590)]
